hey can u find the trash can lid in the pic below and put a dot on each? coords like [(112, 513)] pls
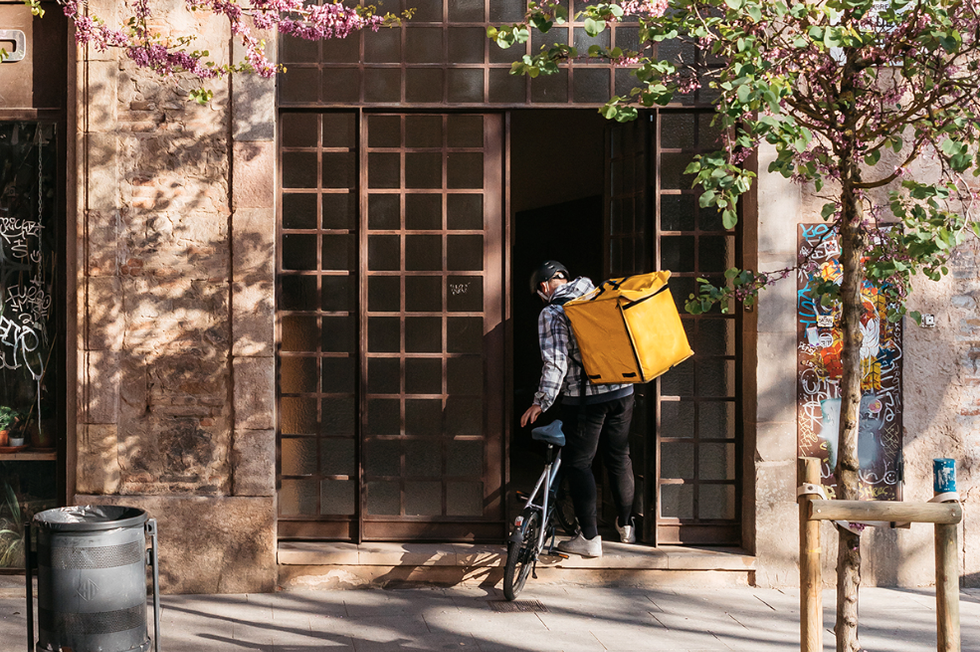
[(89, 518)]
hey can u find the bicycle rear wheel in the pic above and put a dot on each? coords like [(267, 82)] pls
[(520, 555)]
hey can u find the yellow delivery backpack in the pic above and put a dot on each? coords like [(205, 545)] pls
[(628, 329)]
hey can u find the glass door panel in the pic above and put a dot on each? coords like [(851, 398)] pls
[(390, 312), (698, 448), (684, 438), (432, 436), (30, 354)]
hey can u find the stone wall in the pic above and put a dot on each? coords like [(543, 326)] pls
[(175, 278), (942, 395), (941, 391)]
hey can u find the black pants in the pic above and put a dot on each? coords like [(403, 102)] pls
[(601, 427)]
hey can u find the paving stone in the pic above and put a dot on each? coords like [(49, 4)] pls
[(576, 619), (423, 642)]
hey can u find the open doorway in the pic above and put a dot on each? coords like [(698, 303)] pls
[(613, 200), (556, 194)]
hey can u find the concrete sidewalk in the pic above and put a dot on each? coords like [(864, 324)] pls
[(552, 616)]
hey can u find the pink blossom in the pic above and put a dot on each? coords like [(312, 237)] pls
[(169, 57), (644, 7)]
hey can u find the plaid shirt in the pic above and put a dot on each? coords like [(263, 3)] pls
[(558, 374)]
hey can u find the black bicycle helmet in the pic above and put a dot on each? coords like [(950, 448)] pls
[(546, 271)]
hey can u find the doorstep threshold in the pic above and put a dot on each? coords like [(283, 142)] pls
[(469, 555)]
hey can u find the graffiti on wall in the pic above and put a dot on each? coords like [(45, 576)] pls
[(819, 374)]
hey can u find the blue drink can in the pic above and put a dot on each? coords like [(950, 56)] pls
[(943, 475)]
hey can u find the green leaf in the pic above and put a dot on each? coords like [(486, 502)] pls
[(542, 23), (828, 210), (201, 96), (609, 111), (594, 27), (872, 157), (744, 93), (729, 218)]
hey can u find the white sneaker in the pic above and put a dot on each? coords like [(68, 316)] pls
[(627, 533), (582, 546)]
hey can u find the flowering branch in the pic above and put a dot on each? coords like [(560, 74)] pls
[(170, 56)]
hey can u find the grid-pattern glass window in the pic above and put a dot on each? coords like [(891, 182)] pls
[(684, 438), (318, 320), (442, 57), (426, 233), (389, 313), (698, 447)]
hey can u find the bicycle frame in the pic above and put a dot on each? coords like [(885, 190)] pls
[(545, 480)]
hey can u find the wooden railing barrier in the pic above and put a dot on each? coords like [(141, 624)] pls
[(813, 509)]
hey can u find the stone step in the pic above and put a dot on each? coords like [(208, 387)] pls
[(307, 564)]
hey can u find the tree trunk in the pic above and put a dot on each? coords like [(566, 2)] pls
[(849, 551)]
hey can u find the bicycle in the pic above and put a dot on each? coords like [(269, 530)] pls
[(537, 522)]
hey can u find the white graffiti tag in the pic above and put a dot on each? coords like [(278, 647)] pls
[(18, 342)]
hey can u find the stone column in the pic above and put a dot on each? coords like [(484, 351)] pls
[(780, 208), (175, 278)]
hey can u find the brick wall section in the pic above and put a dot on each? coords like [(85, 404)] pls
[(176, 282)]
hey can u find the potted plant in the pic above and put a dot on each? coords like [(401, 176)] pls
[(10, 426)]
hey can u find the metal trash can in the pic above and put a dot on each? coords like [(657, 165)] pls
[(91, 579)]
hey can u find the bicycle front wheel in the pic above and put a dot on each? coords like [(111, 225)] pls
[(520, 555)]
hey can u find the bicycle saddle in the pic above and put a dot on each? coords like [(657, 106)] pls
[(550, 433)]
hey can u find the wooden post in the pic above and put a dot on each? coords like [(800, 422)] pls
[(947, 589), (811, 583), (947, 565)]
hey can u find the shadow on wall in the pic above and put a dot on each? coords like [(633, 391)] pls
[(891, 557), (157, 287)]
